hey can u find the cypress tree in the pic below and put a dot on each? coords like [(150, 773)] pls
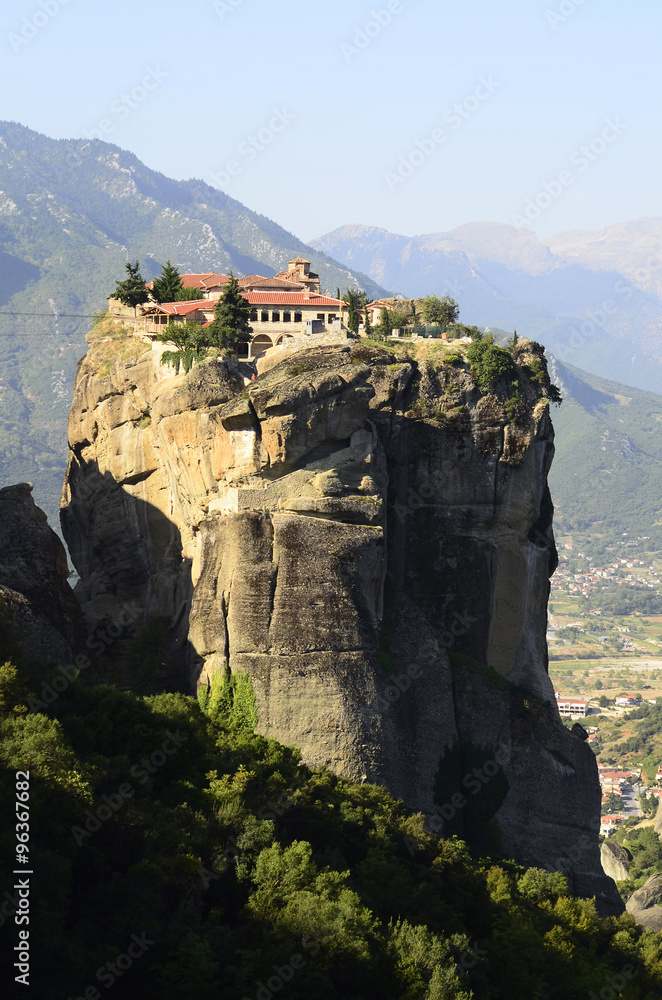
[(231, 319), (385, 326), (367, 326)]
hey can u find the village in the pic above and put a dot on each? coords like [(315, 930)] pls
[(589, 581)]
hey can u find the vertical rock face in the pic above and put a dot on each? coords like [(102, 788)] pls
[(616, 861), (35, 596), (644, 904), (370, 539)]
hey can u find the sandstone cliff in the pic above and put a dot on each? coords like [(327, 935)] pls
[(645, 904), (35, 596), (369, 537), (616, 861)]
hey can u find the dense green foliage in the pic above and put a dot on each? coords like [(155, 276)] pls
[(237, 866), (355, 301), (367, 325), (439, 312), (191, 341), (132, 291), (607, 470), (399, 319), (385, 325), (645, 849), (492, 364), (168, 286), (231, 325)]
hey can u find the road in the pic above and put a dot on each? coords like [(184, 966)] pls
[(631, 801)]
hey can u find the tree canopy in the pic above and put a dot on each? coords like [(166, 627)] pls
[(355, 300), (169, 820), (191, 341), (168, 286), (132, 291), (231, 325), (440, 312)]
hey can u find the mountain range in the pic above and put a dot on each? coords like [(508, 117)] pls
[(71, 214), (607, 469), (593, 298)]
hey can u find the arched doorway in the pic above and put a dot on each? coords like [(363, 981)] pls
[(260, 344)]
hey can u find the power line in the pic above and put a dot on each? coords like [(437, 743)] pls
[(51, 315)]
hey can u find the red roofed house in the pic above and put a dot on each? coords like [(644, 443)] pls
[(210, 284), (609, 823), (278, 316), (299, 270)]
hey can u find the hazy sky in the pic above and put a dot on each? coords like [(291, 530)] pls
[(413, 115)]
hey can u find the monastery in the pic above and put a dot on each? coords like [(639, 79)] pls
[(283, 307)]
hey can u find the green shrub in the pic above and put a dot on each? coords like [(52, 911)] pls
[(491, 363)]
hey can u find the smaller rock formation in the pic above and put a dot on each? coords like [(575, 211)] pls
[(658, 819), (645, 904), (615, 860), (35, 596)]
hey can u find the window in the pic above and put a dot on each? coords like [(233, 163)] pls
[(297, 317), (320, 317), (253, 316), (332, 317), (265, 316), (287, 317), (275, 316)]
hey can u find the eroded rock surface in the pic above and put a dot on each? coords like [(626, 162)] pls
[(370, 538), (35, 596), (645, 904), (615, 860)]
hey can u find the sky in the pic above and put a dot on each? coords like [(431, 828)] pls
[(411, 115)]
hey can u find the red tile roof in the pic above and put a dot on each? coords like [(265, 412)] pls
[(182, 308), (277, 283), (207, 280), (291, 299)]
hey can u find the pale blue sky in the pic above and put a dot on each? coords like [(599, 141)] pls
[(351, 116)]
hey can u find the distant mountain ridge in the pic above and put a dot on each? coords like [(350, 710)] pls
[(608, 462), (594, 299), (71, 213)]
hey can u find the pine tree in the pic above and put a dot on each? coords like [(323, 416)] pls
[(231, 319), (168, 286), (132, 291)]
